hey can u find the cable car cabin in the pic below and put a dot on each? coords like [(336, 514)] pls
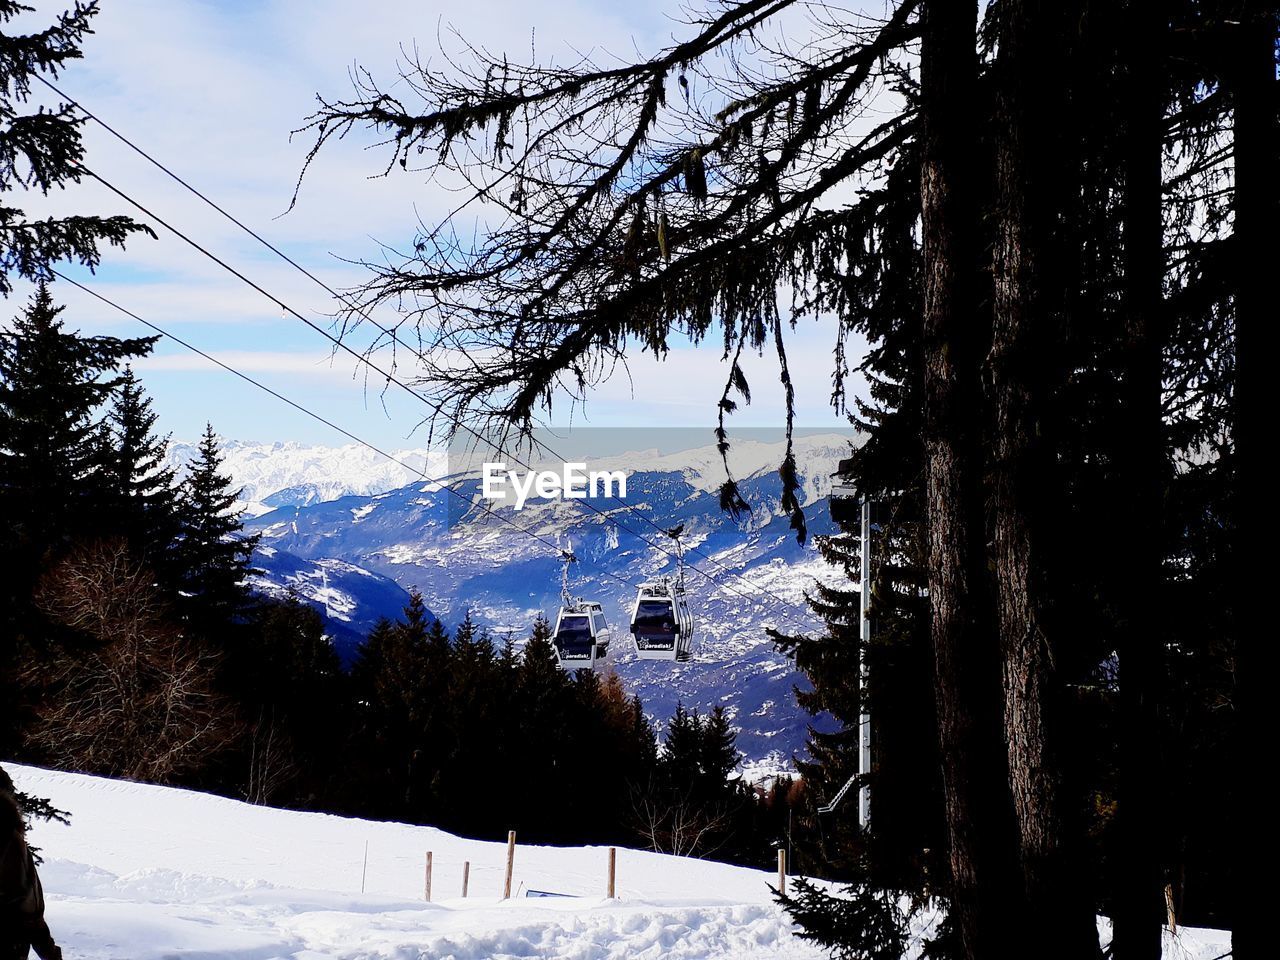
[(846, 507), (582, 636), (661, 623)]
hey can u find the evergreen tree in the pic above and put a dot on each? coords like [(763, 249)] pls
[(52, 384), (377, 713), (718, 755), (292, 697), (1256, 131), (400, 683), (681, 750), (53, 472), (214, 554), (545, 736), (1046, 248), (474, 728), (141, 494), (539, 676), (862, 923), (41, 150)]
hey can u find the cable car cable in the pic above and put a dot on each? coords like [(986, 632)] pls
[(390, 332), (390, 378), (321, 419)]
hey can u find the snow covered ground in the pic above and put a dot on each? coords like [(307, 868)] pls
[(148, 872)]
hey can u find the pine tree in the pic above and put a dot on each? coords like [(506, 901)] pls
[(545, 729), (539, 677), (682, 749), (292, 698), (473, 727), (956, 335), (373, 754), (1010, 368), (52, 384), (41, 150), (142, 497), (1257, 205), (860, 923), (214, 554), (718, 755), (400, 686), (53, 473), (1033, 270)]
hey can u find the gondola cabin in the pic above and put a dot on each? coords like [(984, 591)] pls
[(846, 506), (661, 623), (581, 637)]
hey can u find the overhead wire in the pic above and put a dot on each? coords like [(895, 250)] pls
[(389, 332), (320, 418)]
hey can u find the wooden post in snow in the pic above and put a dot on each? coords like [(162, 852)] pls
[(511, 862), (466, 877), (782, 870), (613, 871), (426, 886)]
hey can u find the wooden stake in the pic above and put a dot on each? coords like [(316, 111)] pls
[(1168, 905), (613, 871), (426, 894), (511, 862), (782, 870), (466, 876)]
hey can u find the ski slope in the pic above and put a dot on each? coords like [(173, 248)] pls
[(145, 872)]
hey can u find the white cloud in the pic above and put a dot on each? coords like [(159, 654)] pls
[(213, 89), (250, 361)]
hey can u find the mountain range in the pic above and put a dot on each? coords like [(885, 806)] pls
[(351, 536)]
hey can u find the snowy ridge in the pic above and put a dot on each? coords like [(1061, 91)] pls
[(293, 474), (703, 468), (350, 598), (145, 873)]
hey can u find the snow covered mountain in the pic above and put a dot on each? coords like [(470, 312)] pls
[(293, 474), (351, 599), (745, 574)]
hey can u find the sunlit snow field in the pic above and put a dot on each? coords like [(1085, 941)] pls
[(149, 872)]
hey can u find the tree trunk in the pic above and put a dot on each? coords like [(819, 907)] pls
[(1138, 911), (1257, 206), (984, 884), (1024, 377)]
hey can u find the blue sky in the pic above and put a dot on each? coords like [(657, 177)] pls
[(213, 89)]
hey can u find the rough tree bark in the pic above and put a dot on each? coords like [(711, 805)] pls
[(982, 853), (1027, 334), (1257, 209), (1138, 910)]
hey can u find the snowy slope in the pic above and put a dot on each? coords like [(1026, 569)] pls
[(144, 873), (349, 598), (147, 872)]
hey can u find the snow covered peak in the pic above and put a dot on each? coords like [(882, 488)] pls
[(290, 474), (293, 474)]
